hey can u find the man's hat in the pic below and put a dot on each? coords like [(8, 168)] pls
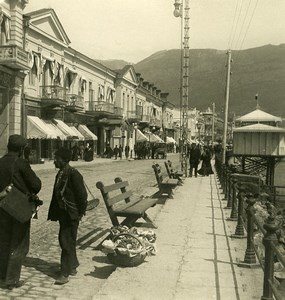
[(16, 142), (64, 153)]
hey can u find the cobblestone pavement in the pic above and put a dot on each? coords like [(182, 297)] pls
[(42, 264)]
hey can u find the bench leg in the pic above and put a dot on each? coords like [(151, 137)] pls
[(167, 190), (149, 220), (129, 221)]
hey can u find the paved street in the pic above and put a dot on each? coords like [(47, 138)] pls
[(42, 263), (196, 257)]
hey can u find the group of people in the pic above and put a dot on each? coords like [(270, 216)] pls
[(196, 155), (82, 152), (68, 206)]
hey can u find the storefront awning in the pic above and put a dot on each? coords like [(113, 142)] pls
[(39, 129), (87, 133), (170, 140), (153, 138), (140, 137), (78, 133), (67, 130), (53, 127)]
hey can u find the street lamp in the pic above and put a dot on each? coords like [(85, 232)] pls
[(135, 146), (182, 10)]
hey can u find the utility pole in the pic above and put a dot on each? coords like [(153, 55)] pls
[(227, 106), (182, 10), (213, 123)]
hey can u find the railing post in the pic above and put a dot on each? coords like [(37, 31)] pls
[(270, 226), (239, 233), (234, 213), (249, 258)]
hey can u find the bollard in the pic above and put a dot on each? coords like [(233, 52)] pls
[(271, 227), (234, 214), (239, 232), (249, 258), (229, 189)]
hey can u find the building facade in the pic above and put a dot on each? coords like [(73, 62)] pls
[(55, 95)]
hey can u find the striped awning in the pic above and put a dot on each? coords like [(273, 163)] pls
[(41, 129), (87, 133)]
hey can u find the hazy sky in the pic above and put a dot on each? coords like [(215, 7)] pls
[(134, 29)]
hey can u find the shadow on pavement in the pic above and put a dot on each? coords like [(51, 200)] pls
[(50, 269), (102, 272)]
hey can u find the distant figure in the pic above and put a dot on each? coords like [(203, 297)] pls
[(88, 153), (120, 151), (206, 168), (127, 151), (116, 151), (75, 152), (81, 151), (194, 159)]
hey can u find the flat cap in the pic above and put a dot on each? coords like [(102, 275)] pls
[(64, 153), (16, 142)]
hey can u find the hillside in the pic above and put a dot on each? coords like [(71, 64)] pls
[(258, 70)]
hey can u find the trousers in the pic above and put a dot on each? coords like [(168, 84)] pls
[(67, 240), (14, 245)]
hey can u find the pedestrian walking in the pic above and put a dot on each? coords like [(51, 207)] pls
[(88, 153), (120, 151), (194, 159), (68, 205), (127, 151), (206, 168), (116, 151), (15, 236)]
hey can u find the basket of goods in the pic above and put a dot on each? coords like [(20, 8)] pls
[(126, 248)]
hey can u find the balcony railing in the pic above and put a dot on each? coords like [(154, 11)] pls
[(118, 111), (14, 57), (53, 95), (75, 101), (145, 118), (155, 122), (101, 106)]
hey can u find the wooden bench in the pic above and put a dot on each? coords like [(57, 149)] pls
[(172, 173), (165, 185), (118, 203)]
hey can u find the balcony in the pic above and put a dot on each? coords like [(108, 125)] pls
[(75, 102), (133, 117), (145, 118), (101, 108), (155, 122), (53, 95), (14, 57), (118, 111)]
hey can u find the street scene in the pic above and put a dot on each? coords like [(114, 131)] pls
[(142, 150)]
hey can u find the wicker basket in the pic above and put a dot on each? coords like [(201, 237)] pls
[(124, 260)]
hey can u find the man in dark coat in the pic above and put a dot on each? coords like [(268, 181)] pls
[(194, 160), (15, 236), (68, 205)]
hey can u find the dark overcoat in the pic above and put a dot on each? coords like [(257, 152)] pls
[(24, 178), (74, 193)]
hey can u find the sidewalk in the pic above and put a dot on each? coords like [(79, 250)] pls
[(196, 257)]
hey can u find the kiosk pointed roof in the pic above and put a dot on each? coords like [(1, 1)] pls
[(258, 115)]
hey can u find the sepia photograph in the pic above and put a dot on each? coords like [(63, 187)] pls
[(142, 149)]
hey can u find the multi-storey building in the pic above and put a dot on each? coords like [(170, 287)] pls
[(55, 95)]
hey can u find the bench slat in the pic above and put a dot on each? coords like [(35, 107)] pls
[(118, 198), (138, 208), (115, 186)]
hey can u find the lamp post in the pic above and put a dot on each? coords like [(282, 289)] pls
[(182, 10), (135, 146)]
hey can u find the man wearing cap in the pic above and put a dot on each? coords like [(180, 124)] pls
[(195, 155), (15, 236), (68, 205)]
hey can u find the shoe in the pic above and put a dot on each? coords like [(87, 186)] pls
[(73, 272), (15, 285), (62, 280)]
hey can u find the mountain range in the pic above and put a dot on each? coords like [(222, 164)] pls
[(254, 71)]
